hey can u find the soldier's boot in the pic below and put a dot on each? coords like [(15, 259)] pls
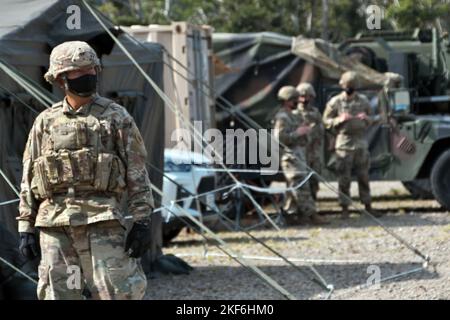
[(345, 212), (373, 212), (302, 219), (317, 220)]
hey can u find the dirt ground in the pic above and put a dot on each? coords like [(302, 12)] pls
[(346, 253)]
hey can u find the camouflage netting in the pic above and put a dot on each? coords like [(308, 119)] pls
[(332, 63), (259, 62), (264, 62)]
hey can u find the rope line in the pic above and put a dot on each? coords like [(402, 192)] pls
[(223, 247), (9, 202), (266, 258), (9, 183), (20, 100), (319, 281), (18, 270)]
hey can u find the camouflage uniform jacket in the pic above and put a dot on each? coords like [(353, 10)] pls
[(350, 135), (79, 165), (311, 116), (286, 124)]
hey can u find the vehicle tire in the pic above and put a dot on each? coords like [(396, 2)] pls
[(170, 233), (419, 188), (440, 179)]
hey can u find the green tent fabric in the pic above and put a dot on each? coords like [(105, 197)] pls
[(29, 29), (258, 64)]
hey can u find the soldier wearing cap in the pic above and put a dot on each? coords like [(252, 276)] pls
[(393, 81), (311, 117), (290, 131), (347, 115), (84, 157)]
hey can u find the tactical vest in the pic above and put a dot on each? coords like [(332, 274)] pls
[(79, 155)]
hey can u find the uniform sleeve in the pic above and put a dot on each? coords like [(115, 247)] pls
[(28, 205), (286, 136), (140, 197), (330, 115)]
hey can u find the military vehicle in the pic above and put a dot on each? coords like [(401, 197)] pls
[(416, 131)]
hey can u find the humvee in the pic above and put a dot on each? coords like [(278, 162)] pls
[(411, 141)]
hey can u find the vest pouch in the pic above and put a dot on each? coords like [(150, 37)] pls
[(103, 171), (40, 184), (51, 168), (117, 178), (66, 169), (70, 136), (83, 165), (106, 134)]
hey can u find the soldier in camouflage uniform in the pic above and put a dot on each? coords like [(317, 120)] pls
[(393, 81), (85, 155), (347, 115), (290, 131), (311, 116)]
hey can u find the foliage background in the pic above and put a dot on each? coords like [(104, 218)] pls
[(344, 18)]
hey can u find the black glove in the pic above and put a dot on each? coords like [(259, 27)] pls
[(139, 239), (28, 245)]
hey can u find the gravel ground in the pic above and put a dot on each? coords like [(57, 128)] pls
[(342, 252)]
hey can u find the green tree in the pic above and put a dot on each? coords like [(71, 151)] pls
[(409, 14), (289, 17)]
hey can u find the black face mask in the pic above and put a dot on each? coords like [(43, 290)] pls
[(83, 86), (349, 91)]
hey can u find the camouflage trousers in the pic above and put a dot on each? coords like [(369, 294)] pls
[(90, 255), (359, 161), (315, 163), (299, 201)]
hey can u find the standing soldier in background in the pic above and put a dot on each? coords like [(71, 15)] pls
[(347, 115), (289, 131), (311, 116), (393, 81), (85, 155)]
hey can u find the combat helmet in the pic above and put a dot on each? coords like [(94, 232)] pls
[(349, 78), (287, 93), (71, 55), (306, 89)]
